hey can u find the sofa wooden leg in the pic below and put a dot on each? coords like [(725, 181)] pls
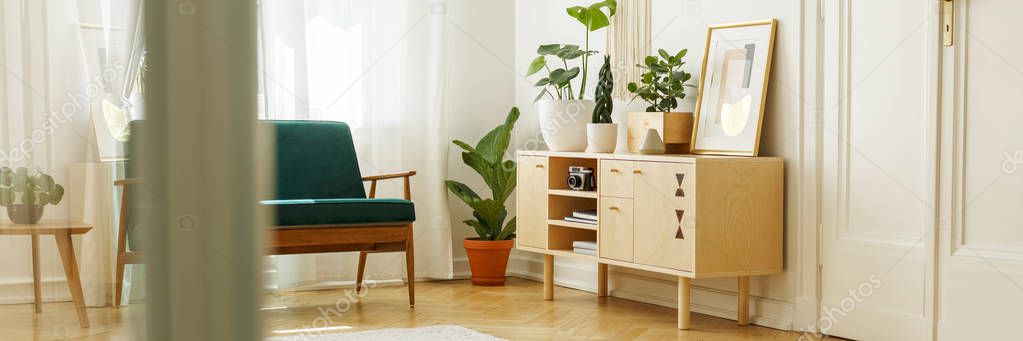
[(362, 270), (118, 281), (410, 264)]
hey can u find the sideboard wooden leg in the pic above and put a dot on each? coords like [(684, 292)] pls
[(601, 280), (743, 300), (684, 297), (548, 277)]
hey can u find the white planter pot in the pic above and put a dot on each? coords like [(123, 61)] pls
[(563, 123), (601, 137)]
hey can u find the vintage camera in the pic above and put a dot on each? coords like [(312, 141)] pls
[(581, 178)]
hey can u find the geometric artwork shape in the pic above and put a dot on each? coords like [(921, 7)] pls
[(679, 192), (680, 214)]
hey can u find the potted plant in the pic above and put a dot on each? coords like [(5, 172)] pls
[(560, 115), (25, 196), (488, 253), (602, 133), (663, 86)]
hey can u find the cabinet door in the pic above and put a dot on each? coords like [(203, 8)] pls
[(663, 232), (615, 229), (615, 178), (531, 197)]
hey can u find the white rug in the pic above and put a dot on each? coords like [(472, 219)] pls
[(434, 333)]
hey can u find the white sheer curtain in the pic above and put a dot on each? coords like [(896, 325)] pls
[(45, 94), (380, 67)]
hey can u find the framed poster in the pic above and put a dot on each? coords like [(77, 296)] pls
[(733, 88)]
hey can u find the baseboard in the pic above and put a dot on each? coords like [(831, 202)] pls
[(21, 291), (636, 286)]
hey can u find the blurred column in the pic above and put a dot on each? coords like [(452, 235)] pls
[(196, 156)]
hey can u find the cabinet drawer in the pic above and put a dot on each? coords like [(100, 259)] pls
[(615, 178), (615, 229), (664, 235)]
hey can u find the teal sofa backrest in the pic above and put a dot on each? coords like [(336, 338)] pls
[(316, 160)]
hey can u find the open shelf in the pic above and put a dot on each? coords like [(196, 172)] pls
[(572, 193), (575, 225), (569, 253), (558, 173)]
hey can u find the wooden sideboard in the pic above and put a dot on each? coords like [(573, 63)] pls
[(691, 216)]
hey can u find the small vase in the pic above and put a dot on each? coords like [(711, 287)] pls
[(652, 144), (488, 260), (25, 214), (601, 137)]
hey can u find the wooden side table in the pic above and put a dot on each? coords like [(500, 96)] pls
[(62, 231)]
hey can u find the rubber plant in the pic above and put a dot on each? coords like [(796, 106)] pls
[(25, 195), (487, 159), (605, 85), (663, 83)]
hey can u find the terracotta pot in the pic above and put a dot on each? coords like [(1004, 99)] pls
[(25, 214), (488, 260)]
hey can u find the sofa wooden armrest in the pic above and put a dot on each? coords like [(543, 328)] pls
[(374, 178)]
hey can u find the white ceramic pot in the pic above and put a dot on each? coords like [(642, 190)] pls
[(601, 137), (563, 123)]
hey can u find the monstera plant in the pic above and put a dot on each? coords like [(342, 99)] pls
[(26, 195), (488, 253)]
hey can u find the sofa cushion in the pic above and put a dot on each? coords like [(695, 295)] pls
[(344, 211), (316, 160)]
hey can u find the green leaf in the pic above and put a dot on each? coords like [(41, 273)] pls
[(539, 96), (508, 231), (29, 197), (536, 65), (491, 214), (681, 54), (650, 61), (664, 54), (44, 182), (6, 176), (57, 195), (460, 190), (20, 180), (6, 197), (481, 231), (548, 49), (464, 145), (632, 86), (543, 82), (493, 146)]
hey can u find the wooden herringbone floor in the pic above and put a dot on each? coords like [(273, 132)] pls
[(515, 312)]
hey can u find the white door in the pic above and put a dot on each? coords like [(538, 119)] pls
[(879, 168), (980, 250)]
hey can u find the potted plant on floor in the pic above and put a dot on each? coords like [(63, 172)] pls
[(26, 196), (488, 253), (602, 133), (663, 86), (560, 109)]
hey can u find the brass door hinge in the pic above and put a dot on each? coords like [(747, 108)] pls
[(947, 21)]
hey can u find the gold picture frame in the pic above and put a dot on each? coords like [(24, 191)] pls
[(747, 150)]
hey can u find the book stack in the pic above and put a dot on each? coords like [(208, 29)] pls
[(583, 217), (584, 247)]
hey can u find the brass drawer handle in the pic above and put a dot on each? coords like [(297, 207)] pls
[(636, 171), (613, 208), (614, 170), (539, 166)]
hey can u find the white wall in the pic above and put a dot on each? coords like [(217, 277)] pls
[(781, 301), (479, 93)]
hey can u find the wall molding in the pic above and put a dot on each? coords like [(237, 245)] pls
[(20, 291)]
